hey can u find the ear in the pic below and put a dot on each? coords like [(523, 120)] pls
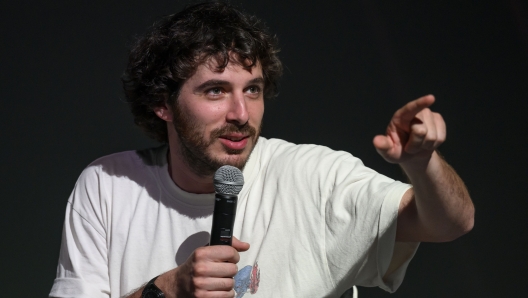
[(164, 112)]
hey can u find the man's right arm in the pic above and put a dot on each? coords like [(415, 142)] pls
[(208, 272)]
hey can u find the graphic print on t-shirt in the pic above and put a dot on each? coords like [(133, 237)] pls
[(247, 278)]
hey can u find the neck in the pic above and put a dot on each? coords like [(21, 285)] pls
[(184, 176)]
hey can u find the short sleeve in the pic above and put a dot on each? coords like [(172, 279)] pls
[(361, 215), (83, 266)]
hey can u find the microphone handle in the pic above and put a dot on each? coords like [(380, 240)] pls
[(223, 219)]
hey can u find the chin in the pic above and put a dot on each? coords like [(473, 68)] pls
[(223, 155), (236, 160), (233, 158)]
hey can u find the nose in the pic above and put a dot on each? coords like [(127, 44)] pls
[(238, 113)]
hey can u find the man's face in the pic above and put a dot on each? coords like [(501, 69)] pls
[(218, 115)]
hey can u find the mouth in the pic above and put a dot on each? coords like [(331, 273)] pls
[(234, 141)]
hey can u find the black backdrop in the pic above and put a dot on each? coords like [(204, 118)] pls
[(349, 66)]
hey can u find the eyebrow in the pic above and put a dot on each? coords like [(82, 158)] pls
[(258, 80), (214, 83)]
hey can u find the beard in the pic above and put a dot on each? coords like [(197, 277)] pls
[(193, 144)]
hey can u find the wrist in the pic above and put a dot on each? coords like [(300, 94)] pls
[(166, 283), (151, 290), (420, 164)]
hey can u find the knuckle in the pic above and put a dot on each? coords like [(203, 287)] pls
[(420, 131), (199, 253), (200, 269), (199, 293), (430, 138), (236, 257), (198, 283)]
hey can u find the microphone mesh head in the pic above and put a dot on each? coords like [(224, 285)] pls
[(228, 180)]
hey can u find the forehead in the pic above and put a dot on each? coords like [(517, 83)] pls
[(233, 72)]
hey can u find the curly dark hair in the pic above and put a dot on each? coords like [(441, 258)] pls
[(161, 61)]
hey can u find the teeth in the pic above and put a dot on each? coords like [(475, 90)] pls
[(234, 139)]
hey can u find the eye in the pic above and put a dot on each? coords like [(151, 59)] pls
[(253, 89), (214, 91)]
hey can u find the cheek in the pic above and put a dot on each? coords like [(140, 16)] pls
[(208, 115), (256, 111)]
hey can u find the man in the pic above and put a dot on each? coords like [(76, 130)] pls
[(317, 220)]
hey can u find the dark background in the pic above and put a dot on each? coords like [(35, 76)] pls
[(348, 66)]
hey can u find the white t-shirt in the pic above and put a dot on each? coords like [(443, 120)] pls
[(318, 221)]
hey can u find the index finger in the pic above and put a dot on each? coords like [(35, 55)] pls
[(407, 113)]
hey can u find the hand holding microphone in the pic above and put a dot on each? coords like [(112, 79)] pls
[(209, 270), (214, 267)]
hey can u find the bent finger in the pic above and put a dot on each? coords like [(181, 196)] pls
[(215, 269), (214, 294), (214, 283), (431, 136), (216, 253), (416, 138), (441, 130)]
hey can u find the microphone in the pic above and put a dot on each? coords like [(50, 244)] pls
[(228, 182)]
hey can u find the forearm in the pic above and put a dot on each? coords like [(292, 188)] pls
[(136, 294), (440, 205), (208, 272), (166, 282)]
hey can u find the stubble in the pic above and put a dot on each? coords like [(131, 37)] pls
[(193, 144)]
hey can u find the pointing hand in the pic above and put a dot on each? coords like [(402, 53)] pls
[(413, 133)]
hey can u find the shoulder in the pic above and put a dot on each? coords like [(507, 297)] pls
[(283, 153), (121, 171), (278, 148), (309, 163), (125, 163), (130, 159)]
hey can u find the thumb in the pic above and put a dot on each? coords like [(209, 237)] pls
[(239, 245), (383, 144)]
